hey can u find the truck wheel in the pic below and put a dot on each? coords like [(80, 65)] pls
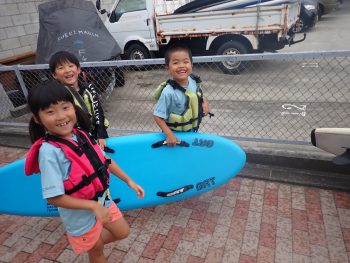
[(232, 48), (137, 51), (299, 26)]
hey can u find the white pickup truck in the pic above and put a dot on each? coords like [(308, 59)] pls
[(144, 28)]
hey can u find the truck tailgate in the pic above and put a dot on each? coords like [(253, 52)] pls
[(264, 19)]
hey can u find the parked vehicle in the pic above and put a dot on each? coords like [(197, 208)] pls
[(144, 28), (326, 6), (308, 16), (75, 26)]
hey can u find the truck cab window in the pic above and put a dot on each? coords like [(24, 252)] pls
[(125, 6)]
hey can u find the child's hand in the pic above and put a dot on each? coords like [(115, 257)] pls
[(138, 189), (171, 140), (102, 213)]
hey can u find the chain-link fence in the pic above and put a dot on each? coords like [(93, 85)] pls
[(278, 97)]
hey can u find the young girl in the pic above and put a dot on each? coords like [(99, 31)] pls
[(65, 68), (74, 171)]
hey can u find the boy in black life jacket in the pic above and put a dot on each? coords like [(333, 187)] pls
[(180, 104), (65, 68)]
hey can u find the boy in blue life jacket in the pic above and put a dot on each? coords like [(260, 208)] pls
[(180, 105)]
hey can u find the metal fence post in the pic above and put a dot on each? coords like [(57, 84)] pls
[(21, 82)]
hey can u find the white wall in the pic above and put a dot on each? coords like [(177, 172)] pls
[(19, 25)]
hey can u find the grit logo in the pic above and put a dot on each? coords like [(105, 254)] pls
[(205, 184)]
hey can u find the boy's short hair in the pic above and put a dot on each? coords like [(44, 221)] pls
[(175, 48), (61, 57)]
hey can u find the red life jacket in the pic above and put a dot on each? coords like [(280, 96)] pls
[(89, 174)]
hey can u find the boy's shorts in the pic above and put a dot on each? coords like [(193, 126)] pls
[(85, 242)]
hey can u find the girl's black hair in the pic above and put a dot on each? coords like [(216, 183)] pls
[(175, 48), (48, 93), (61, 57)]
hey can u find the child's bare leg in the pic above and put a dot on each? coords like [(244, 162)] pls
[(96, 253), (116, 230)]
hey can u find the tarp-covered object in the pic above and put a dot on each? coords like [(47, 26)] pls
[(74, 26)]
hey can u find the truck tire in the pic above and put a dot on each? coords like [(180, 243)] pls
[(232, 48), (299, 26), (137, 51)]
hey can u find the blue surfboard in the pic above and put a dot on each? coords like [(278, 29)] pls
[(200, 163)]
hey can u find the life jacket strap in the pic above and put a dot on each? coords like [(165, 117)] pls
[(77, 96), (176, 85), (178, 124), (86, 180), (99, 167), (75, 148), (196, 78)]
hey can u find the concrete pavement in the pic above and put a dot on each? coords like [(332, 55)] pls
[(245, 220)]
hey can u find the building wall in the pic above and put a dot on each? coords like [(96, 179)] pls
[(19, 25)]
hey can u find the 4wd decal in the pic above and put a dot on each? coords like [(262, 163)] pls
[(203, 143), (51, 208)]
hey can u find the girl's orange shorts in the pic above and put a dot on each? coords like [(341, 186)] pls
[(84, 243)]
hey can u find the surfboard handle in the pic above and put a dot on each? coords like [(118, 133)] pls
[(176, 191), (108, 150), (162, 143)]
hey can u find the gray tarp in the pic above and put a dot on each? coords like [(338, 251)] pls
[(74, 26)]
